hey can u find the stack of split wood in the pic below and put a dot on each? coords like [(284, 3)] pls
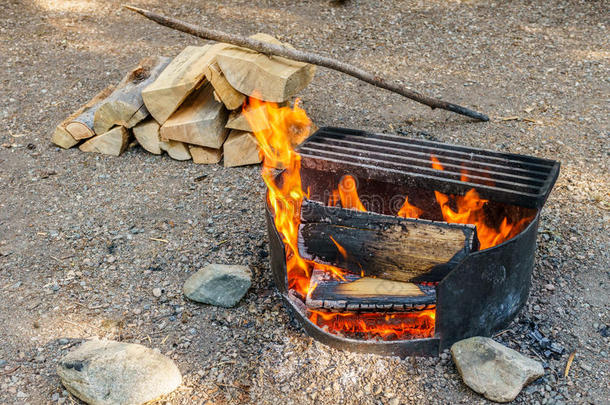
[(189, 107)]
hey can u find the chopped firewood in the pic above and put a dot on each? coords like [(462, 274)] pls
[(113, 142), (62, 138), (203, 155), (125, 105), (237, 120), (231, 98), (240, 149), (270, 78), (200, 120), (383, 246), (147, 135), (66, 138), (80, 126), (366, 293), (181, 77), (175, 150)]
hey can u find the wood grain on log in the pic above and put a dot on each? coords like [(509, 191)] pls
[(203, 155), (393, 248), (125, 106), (181, 77), (81, 126), (147, 135), (240, 149), (269, 78), (356, 293), (176, 150), (200, 120), (231, 98), (64, 138), (113, 142)]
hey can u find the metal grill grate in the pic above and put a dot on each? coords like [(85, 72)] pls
[(501, 177)]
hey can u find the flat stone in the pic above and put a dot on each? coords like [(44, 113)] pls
[(219, 284), (493, 370), (105, 372)]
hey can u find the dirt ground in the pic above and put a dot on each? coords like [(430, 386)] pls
[(76, 255)]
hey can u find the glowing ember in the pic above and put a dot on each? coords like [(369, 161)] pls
[(387, 326)]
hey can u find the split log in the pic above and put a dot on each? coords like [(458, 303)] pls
[(231, 98), (125, 105), (176, 150), (147, 135), (368, 294), (393, 248), (203, 155), (308, 57), (113, 142), (70, 131), (269, 78), (81, 126), (181, 77), (237, 120), (200, 120), (240, 149)]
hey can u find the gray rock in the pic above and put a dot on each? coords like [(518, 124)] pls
[(219, 284), (108, 372), (493, 370)]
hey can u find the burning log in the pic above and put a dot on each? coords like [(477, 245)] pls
[(393, 248), (354, 293), (113, 142), (200, 120), (307, 57), (125, 105), (179, 79)]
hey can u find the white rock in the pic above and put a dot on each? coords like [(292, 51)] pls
[(113, 373)]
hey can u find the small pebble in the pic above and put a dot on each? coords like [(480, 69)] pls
[(157, 292)]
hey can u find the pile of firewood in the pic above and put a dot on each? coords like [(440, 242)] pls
[(189, 107)]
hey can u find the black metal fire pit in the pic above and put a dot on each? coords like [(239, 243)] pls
[(487, 288)]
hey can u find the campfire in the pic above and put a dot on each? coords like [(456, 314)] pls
[(369, 235)]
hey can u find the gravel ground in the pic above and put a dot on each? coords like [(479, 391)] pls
[(76, 255)]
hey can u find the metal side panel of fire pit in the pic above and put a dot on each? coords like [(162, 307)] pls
[(485, 292), (401, 348)]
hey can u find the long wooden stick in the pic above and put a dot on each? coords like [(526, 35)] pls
[(307, 57)]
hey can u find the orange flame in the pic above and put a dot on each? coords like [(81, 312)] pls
[(349, 194), (409, 211), (435, 163), (340, 248), (387, 326), (470, 210)]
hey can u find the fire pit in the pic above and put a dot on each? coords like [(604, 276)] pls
[(399, 246)]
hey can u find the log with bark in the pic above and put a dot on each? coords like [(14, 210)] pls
[(365, 293), (125, 105), (79, 125), (307, 57), (393, 248)]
